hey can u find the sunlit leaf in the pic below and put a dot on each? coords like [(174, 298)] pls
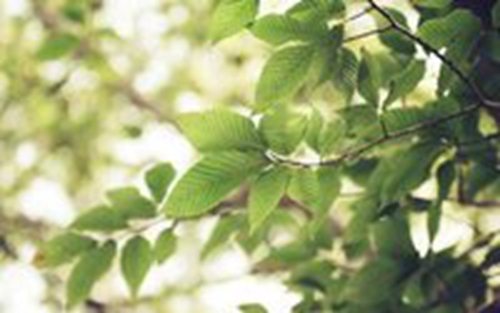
[(265, 195), (159, 178), (283, 74), (63, 249), (210, 180), (232, 16)]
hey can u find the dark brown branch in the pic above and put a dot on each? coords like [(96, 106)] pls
[(358, 15)]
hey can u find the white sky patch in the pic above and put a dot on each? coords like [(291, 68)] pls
[(226, 297), (24, 291), (157, 143), (26, 155), (47, 201), (14, 8)]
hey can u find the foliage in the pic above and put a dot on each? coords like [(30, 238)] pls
[(329, 111)]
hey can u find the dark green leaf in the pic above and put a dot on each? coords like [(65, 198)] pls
[(495, 15)]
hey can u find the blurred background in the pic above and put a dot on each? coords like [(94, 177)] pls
[(88, 90)]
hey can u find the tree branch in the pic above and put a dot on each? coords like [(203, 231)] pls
[(366, 34), (455, 69)]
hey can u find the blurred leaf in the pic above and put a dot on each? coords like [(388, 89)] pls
[(313, 131), (265, 195), (131, 204), (89, 269), (210, 180), (252, 308), (226, 227), (63, 249), (283, 74), (101, 218), (231, 17), (159, 179), (165, 245), (495, 15), (220, 130), (136, 260), (392, 237), (432, 4), (58, 46), (492, 258), (374, 283)]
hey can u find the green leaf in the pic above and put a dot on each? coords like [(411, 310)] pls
[(374, 283), (278, 29), (165, 245), (331, 136), (159, 179), (57, 47), (432, 4), (406, 81), (135, 262), (404, 171), (131, 204), (210, 180), (283, 129), (283, 74), (495, 15), (442, 31), (345, 74), (220, 130), (226, 227), (316, 189), (252, 308), (101, 218), (89, 269), (392, 38), (315, 11), (231, 17), (445, 178), (369, 78), (63, 249), (265, 195), (392, 237), (313, 131)]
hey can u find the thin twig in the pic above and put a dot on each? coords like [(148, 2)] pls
[(455, 69), (366, 34)]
